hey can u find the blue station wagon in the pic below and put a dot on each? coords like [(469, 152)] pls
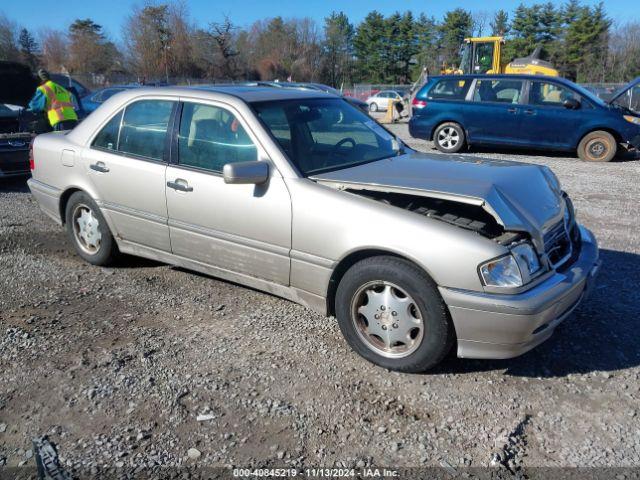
[(525, 111)]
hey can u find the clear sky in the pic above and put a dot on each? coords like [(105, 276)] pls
[(111, 14)]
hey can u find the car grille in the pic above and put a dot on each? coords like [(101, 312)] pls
[(558, 244)]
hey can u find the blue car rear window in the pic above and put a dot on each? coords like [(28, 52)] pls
[(450, 89)]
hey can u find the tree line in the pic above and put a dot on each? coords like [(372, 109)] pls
[(160, 41)]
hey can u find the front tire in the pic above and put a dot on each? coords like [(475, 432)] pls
[(598, 146), (391, 313), (88, 231), (449, 137)]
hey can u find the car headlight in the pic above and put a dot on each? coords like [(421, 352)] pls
[(513, 270), (501, 272), (632, 119), (527, 258)]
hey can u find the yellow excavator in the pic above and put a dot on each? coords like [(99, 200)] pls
[(483, 55)]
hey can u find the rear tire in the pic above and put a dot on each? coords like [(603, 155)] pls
[(88, 231), (598, 146), (373, 107), (449, 137), (391, 313)]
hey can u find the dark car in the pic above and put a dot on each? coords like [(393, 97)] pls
[(525, 111), (17, 126), (97, 98), (70, 83)]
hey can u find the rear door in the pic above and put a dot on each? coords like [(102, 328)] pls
[(494, 112), (244, 229), (546, 122), (127, 164)]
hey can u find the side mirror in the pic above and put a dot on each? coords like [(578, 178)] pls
[(571, 104), (253, 172)]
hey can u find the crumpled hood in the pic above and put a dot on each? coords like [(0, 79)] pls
[(522, 197)]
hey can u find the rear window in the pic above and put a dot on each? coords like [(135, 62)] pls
[(144, 127), (450, 89), (140, 129)]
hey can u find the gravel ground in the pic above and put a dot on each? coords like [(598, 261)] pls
[(145, 364)]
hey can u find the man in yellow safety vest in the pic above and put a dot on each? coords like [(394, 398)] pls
[(55, 101)]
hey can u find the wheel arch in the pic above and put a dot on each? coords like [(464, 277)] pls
[(612, 131), (64, 200), (351, 259)]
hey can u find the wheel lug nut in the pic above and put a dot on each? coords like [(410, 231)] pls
[(376, 316), (383, 308), (384, 327), (395, 325), (394, 313)]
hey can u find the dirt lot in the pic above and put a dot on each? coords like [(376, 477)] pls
[(116, 364)]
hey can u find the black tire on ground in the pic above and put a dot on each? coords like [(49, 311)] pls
[(373, 107), (106, 251), (438, 333), (449, 137), (598, 146)]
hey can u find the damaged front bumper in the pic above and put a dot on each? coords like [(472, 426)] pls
[(504, 326)]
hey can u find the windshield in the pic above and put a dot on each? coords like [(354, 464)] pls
[(465, 61), (630, 100), (319, 135)]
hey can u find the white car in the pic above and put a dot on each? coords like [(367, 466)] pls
[(380, 101)]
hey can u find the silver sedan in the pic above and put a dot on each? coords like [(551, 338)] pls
[(299, 194)]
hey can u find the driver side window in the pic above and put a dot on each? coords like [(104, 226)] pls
[(550, 94)]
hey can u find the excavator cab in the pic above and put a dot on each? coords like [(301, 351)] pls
[(480, 55)]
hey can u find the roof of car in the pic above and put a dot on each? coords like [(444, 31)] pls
[(504, 76), (260, 94)]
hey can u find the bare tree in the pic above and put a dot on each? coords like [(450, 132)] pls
[(147, 38), (8, 39), (481, 20), (223, 36), (180, 48), (623, 61), (54, 46)]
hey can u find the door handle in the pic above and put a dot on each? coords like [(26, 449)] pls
[(180, 184), (99, 167), (512, 110), (529, 111)]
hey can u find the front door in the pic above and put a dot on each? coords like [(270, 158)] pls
[(126, 163), (546, 122), (244, 229), (494, 114)]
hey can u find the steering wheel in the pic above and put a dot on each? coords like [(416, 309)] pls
[(337, 146)]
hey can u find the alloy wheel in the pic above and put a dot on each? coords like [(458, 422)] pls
[(448, 137), (387, 319), (86, 229)]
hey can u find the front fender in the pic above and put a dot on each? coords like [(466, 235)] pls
[(328, 225)]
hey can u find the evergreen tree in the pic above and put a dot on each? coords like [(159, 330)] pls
[(584, 44), (369, 45), (531, 27), (28, 48), (89, 50), (500, 24), (426, 45), (391, 47), (338, 48), (457, 25), (407, 47)]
